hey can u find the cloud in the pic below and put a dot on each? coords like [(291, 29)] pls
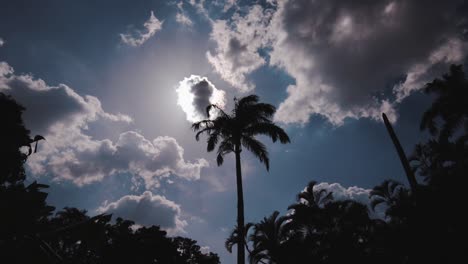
[(344, 54), (51, 108), (195, 93), (199, 5), (92, 160), (146, 210), (355, 193), (348, 59), (137, 38), (62, 116), (237, 46), (205, 250), (2, 42), (182, 17), (453, 51)]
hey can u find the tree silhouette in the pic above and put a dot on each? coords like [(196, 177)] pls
[(29, 233), (13, 136), (422, 228), (268, 237), (394, 196), (236, 130), (450, 104)]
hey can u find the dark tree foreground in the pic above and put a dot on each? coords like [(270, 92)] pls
[(425, 224), (238, 129), (30, 232)]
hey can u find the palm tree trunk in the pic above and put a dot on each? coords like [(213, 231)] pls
[(240, 209), (404, 160)]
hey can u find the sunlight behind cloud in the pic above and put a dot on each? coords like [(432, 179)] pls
[(195, 93)]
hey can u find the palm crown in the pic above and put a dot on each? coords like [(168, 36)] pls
[(248, 119)]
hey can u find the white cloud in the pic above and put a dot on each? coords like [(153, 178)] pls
[(205, 250), (200, 7), (355, 193), (62, 116), (195, 93), (91, 160), (2, 42), (182, 17), (226, 4), (452, 51), (146, 210), (137, 38), (237, 44)]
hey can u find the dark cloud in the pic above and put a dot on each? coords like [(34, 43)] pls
[(344, 53), (52, 106), (195, 94), (202, 93), (345, 56)]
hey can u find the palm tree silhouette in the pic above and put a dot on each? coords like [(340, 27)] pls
[(268, 238), (307, 210), (236, 130), (450, 105), (391, 193)]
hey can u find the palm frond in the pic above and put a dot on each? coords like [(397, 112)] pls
[(258, 149), (224, 148), (268, 129), (212, 140), (214, 106)]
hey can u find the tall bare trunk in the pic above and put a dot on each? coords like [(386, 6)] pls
[(240, 209), (404, 160)]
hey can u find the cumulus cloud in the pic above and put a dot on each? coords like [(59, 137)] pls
[(138, 37), (355, 193), (146, 210), (51, 108), (195, 93), (62, 116), (93, 160), (345, 56), (237, 46)]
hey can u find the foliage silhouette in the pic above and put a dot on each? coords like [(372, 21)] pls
[(423, 228), (450, 104), (234, 131), (29, 233)]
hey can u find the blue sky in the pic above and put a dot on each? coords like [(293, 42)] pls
[(101, 81)]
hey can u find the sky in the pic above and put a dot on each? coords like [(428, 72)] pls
[(114, 87)]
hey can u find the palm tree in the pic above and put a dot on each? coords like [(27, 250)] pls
[(390, 193), (236, 130), (307, 210), (268, 238), (450, 105)]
